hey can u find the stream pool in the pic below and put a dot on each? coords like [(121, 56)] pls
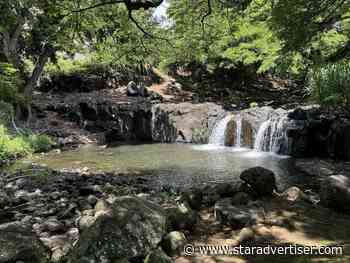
[(173, 164)]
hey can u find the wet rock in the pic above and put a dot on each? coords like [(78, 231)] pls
[(261, 180), (142, 90), (158, 256), (293, 194), (92, 200), (173, 243), (4, 200), (194, 198), (213, 193), (86, 221), (241, 198), (60, 245), (53, 225), (181, 217), (18, 243), (246, 236), (335, 193), (134, 228), (236, 216), (102, 207), (132, 89)]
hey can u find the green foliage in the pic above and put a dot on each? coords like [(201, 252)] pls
[(39, 143), (6, 113), (330, 84), (298, 22), (15, 146), (9, 84), (12, 147)]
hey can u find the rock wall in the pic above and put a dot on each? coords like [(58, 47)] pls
[(319, 134), (184, 122)]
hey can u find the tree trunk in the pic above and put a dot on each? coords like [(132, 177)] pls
[(34, 78)]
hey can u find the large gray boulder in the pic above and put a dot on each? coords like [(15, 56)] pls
[(335, 192), (184, 122), (18, 243), (133, 228), (236, 216), (132, 89), (262, 181)]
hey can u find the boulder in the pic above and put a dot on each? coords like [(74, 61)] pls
[(132, 89), (184, 121), (18, 243), (261, 180), (173, 243), (143, 91), (241, 198), (194, 198), (212, 193), (235, 216), (335, 193), (181, 217), (133, 228), (293, 194)]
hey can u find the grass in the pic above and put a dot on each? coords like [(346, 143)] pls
[(330, 84), (12, 147)]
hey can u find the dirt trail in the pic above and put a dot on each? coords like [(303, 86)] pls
[(169, 89)]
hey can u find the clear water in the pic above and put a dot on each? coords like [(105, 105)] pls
[(217, 136), (173, 164)]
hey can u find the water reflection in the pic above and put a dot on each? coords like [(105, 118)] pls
[(173, 164)]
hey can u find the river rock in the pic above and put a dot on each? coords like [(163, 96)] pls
[(157, 256), (194, 198), (261, 180), (214, 192), (241, 198), (236, 216), (18, 243), (173, 243), (335, 193), (134, 228), (143, 91), (181, 217), (53, 225), (132, 89), (293, 194), (4, 200)]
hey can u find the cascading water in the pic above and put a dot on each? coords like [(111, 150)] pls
[(272, 136), (217, 136), (238, 131)]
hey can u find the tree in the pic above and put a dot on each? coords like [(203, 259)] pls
[(35, 30)]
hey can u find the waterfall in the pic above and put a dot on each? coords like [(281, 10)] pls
[(217, 136), (238, 131), (272, 137)]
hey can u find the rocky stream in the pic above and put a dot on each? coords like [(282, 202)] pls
[(134, 178)]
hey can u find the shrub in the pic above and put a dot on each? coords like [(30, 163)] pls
[(12, 147), (10, 82), (330, 84), (39, 143), (22, 145)]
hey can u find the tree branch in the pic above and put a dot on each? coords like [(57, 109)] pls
[(208, 13), (144, 31), (97, 5)]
